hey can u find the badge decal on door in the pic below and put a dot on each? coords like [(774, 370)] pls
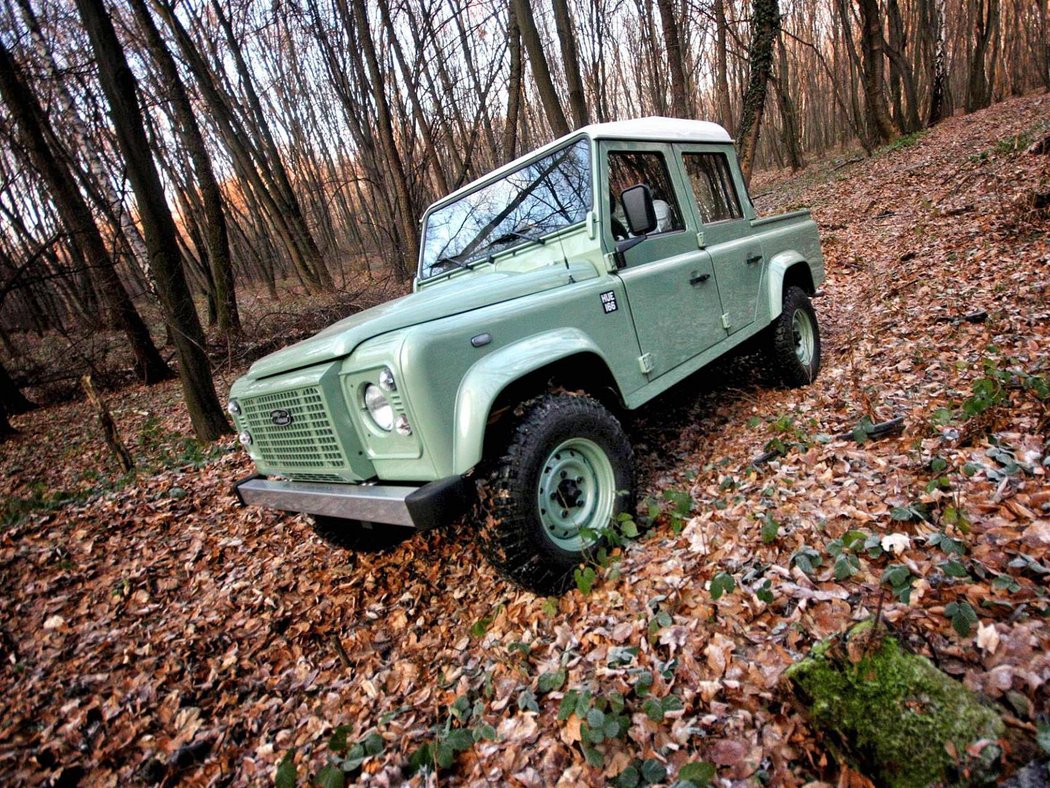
[(609, 301)]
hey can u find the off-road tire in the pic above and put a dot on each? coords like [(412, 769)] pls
[(357, 536), (786, 362), (513, 535)]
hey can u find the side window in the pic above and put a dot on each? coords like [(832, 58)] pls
[(628, 168), (712, 182)]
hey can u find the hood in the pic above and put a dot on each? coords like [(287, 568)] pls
[(461, 294)]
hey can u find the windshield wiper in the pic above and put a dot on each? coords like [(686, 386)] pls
[(507, 237), (510, 236), (450, 260)]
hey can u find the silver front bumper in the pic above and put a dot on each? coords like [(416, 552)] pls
[(429, 506), (371, 504)]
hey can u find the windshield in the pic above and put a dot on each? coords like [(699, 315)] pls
[(525, 205)]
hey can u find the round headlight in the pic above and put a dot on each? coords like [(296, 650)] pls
[(386, 380), (379, 408), (245, 438), (234, 408)]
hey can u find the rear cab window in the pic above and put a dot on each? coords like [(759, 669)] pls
[(713, 188), (717, 198)]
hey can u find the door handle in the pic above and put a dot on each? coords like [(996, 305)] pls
[(697, 279), (755, 258)]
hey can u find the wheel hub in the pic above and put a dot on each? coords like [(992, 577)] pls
[(576, 493), (802, 333), (569, 494)]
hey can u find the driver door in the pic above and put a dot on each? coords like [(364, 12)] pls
[(669, 281)]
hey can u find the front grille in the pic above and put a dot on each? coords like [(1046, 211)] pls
[(304, 449)]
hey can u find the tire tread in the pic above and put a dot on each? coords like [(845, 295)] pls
[(508, 532)]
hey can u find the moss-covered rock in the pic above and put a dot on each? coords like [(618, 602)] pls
[(898, 718)]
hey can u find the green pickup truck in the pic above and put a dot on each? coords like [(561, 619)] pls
[(556, 293)]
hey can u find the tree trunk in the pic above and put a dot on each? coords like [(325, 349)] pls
[(680, 104), (978, 85), (725, 108), (654, 61), (389, 144), (872, 49), (933, 21), (788, 116), (1044, 35), (901, 72), (866, 135), (42, 148), (765, 23), (541, 72), (218, 242), (571, 61), (510, 130), (118, 85)]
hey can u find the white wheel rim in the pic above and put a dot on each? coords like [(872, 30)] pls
[(802, 331)]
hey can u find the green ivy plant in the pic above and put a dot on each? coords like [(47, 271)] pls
[(602, 559), (462, 727)]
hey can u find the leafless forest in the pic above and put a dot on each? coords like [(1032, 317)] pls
[(164, 163)]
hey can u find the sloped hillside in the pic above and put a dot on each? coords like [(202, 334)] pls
[(159, 633)]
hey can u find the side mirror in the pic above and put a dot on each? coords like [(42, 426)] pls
[(638, 207)]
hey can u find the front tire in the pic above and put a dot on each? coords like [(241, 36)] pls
[(793, 344), (358, 536), (566, 472)]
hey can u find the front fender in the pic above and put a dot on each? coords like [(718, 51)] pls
[(778, 266), (491, 375)]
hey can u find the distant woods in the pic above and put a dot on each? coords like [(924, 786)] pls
[(210, 147)]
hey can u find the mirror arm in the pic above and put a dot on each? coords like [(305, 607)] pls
[(625, 246)]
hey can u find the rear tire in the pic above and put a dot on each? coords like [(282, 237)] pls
[(358, 536), (793, 342), (566, 472)]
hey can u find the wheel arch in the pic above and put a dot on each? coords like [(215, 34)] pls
[(565, 358), (787, 269)]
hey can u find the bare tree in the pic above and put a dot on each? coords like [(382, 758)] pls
[(218, 244), (902, 76), (680, 104), (788, 116), (386, 137), (871, 45), (41, 145), (979, 85), (932, 22), (118, 84), (765, 22), (541, 72), (570, 62), (514, 84), (725, 107)]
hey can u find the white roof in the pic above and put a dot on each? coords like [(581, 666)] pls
[(657, 128), (653, 128)]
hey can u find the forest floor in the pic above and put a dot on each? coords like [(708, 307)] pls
[(155, 632)]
